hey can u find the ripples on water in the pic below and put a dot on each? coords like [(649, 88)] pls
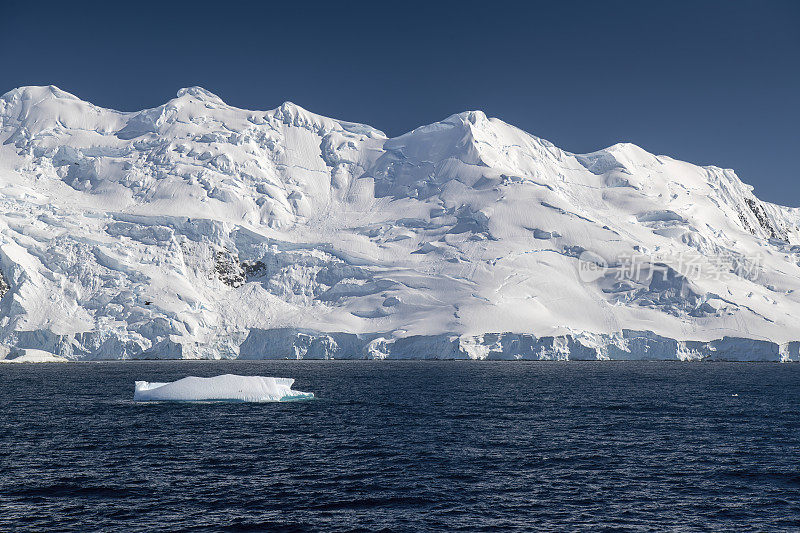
[(406, 445)]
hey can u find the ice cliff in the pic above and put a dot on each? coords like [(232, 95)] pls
[(199, 230)]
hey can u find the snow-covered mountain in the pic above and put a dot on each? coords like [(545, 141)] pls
[(196, 229)]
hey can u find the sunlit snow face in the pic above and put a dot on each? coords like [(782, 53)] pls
[(196, 229), (227, 387)]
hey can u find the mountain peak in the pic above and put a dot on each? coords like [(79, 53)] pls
[(39, 92), (473, 117), (200, 93), (290, 109)]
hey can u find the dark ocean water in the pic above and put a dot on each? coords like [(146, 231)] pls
[(406, 446)]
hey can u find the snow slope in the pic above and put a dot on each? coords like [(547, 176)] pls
[(199, 230)]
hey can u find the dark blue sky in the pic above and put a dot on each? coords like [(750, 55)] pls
[(708, 82)]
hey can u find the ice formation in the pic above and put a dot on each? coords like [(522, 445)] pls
[(31, 356), (199, 230), (227, 387)]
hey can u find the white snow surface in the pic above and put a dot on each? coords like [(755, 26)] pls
[(200, 230), (32, 356), (227, 387)]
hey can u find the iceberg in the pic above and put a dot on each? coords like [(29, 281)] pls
[(225, 388)]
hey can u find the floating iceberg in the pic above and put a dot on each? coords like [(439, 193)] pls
[(227, 387)]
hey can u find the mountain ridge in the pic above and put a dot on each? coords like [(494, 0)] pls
[(290, 108), (198, 229)]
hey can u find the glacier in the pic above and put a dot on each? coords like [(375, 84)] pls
[(200, 230), (228, 387)]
